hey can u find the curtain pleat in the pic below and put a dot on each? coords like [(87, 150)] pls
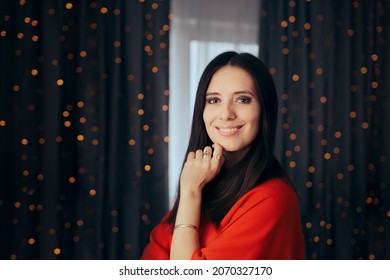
[(328, 59), (83, 126)]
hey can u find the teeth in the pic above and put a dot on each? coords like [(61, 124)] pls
[(228, 130)]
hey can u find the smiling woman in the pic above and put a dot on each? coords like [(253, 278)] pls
[(232, 111), (199, 32), (234, 199)]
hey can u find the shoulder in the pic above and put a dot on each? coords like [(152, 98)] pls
[(277, 188), (276, 196)]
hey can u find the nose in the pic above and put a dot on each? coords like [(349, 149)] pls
[(227, 112)]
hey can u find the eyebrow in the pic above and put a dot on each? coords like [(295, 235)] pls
[(235, 93)]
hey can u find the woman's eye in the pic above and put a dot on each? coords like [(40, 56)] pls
[(244, 99), (212, 100)]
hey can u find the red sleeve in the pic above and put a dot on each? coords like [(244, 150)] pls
[(264, 224), (158, 247)]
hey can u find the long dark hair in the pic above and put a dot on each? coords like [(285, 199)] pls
[(259, 164)]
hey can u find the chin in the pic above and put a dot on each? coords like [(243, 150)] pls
[(235, 149), (230, 149)]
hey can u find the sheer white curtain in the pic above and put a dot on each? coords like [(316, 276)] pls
[(200, 30)]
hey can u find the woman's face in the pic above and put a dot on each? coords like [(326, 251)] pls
[(232, 110)]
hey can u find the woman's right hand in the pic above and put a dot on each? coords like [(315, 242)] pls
[(200, 168)]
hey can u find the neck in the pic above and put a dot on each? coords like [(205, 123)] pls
[(232, 158)]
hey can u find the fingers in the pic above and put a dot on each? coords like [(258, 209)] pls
[(190, 156), (201, 167), (198, 154), (217, 154), (207, 153)]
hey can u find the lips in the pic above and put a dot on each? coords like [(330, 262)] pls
[(228, 131)]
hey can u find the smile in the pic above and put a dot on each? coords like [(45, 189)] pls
[(228, 131)]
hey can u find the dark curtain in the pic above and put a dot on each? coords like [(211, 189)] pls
[(330, 61), (84, 125)]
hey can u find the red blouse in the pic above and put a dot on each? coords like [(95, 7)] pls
[(263, 224)]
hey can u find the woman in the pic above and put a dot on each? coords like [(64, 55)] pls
[(234, 199)]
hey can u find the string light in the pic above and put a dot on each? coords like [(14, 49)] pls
[(325, 117), (73, 130)]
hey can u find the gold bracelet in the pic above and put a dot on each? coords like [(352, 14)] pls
[(186, 226)]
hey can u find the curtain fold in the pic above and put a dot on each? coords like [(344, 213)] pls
[(83, 126), (330, 64)]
